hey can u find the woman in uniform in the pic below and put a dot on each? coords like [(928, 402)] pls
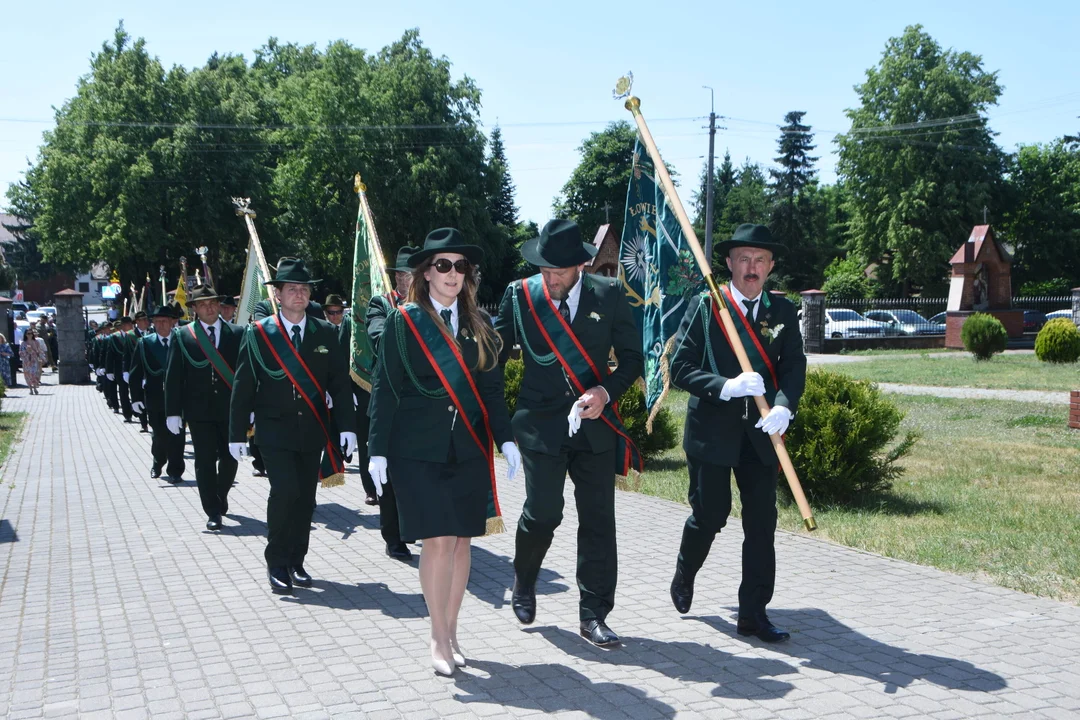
[(437, 409)]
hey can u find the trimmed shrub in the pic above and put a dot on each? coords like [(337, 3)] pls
[(1058, 342), (983, 336), (665, 434), (839, 441)]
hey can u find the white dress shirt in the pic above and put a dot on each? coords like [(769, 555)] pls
[(217, 330), (453, 308), (573, 298), (289, 326), (739, 297)]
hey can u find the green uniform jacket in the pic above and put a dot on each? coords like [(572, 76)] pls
[(546, 395), (283, 419), (199, 394), (130, 346), (117, 346), (714, 427), (378, 309), (148, 365), (406, 423), (264, 309)]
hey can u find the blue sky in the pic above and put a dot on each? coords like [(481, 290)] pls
[(546, 69)]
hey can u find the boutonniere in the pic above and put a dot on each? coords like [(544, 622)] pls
[(466, 333), (321, 350), (595, 316), (771, 333)]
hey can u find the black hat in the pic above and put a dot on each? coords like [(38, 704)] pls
[(202, 292), (446, 240), (291, 270), (141, 315), (334, 300), (403, 255), (125, 319), (750, 235), (559, 246), (228, 301), (162, 311)]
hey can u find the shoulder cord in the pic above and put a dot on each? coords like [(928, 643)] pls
[(542, 360), (250, 344), (403, 351), (146, 364), (197, 364), (706, 322)]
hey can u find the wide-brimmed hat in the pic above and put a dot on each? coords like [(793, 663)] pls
[(202, 292), (750, 235), (446, 240), (125, 319), (292, 270), (141, 315), (559, 246), (163, 311), (334, 300), (403, 255), (228, 301)]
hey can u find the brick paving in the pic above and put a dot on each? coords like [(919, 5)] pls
[(115, 602)]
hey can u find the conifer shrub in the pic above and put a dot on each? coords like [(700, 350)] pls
[(1058, 342), (983, 336)]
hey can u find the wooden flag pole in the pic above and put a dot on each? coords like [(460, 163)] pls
[(633, 104), (243, 208)]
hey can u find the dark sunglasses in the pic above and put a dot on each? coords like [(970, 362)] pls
[(335, 313), (443, 265)]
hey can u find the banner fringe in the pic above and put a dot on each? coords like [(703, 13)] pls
[(665, 378), (335, 480), (495, 526)]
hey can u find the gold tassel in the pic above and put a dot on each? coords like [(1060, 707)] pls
[(665, 379), (495, 525), (335, 480), (631, 482)]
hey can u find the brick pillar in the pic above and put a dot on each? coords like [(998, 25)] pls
[(71, 338), (1074, 409), (1076, 306), (813, 321)]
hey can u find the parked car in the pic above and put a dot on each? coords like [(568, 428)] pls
[(905, 322), (844, 323), (1033, 321), (48, 310), (1066, 313), (939, 319), (34, 315), (23, 305)]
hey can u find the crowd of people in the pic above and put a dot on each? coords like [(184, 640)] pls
[(32, 348), (425, 433)]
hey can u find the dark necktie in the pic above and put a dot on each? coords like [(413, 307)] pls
[(296, 336), (210, 332), (564, 310), (749, 309), (448, 318), (165, 342)]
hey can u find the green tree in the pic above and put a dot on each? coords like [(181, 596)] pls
[(791, 192), (723, 182), (920, 161), (501, 200), (748, 200), (600, 180), (1043, 221)]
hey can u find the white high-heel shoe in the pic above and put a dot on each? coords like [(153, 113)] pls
[(441, 667)]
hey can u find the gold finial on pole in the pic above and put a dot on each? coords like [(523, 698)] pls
[(358, 185)]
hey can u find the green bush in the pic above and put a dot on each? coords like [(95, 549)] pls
[(983, 336), (846, 279), (665, 434), (840, 437), (1058, 342)]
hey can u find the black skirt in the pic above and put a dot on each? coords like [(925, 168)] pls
[(440, 499)]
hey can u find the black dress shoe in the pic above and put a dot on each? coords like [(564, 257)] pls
[(599, 634), (523, 601), (214, 523), (299, 576), (399, 551), (682, 590), (155, 472), (371, 500), (759, 625), (280, 580)]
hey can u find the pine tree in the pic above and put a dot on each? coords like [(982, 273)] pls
[(501, 202), (723, 183), (792, 197)]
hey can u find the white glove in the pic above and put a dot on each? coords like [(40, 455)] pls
[(174, 423), (144, 382), (126, 376), (251, 418), (137, 407), (100, 372), (776, 421), (574, 419), (348, 439), (744, 385), (110, 376), (513, 459), (355, 402), (377, 468), (329, 401), (237, 450)]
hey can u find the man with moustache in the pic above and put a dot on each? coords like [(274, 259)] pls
[(198, 386), (147, 383), (724, 431), (378, 309), (567, 323)]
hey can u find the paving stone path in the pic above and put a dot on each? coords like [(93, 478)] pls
[(114, 602)]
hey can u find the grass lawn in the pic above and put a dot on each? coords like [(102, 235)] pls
[(1015, 372), (992, 490), (10, 426)]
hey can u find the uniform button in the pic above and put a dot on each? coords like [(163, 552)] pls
[(567, 393), (299, 412), (450, 408)]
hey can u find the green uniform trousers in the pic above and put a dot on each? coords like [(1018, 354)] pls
[(215, 468), (593, 476), (294, 479), (710, 502)]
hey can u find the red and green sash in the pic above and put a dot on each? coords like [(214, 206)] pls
[(579, 367), (332, 471), (457, 380), (203, 341), (759, 360)]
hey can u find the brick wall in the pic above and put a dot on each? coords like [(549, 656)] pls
[(1074, 409)]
